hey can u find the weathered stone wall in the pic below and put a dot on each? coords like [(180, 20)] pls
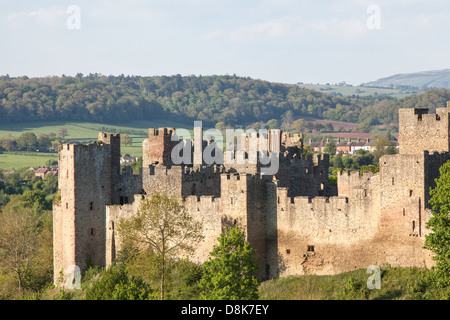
[(419, 131), (293, 219), (205, 209)]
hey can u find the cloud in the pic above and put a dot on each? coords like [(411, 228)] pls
[(272, 29), (49, 17), (342, 29)]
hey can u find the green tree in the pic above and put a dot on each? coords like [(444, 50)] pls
[(126, 140), (18, 239), (438, 241), (162, 225), (273, 124), (27, 140), (330, 148), (338, 162), (229, 274), (383, 146), (115, 283), (63, 132), (44, 141)]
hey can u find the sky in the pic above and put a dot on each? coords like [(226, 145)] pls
[(287, 41)]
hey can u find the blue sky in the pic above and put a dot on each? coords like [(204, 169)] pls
[(276, 40)]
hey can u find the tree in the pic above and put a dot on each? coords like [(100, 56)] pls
[(330, 148), (63, 132), (438, 241), (115, 283), (273, 124), (383, 146), (18, 240), (44, 141), (164, 226), (126, 140), (229, 274), (27, 140)]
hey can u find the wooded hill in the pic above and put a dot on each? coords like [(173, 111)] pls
[(232, 100)]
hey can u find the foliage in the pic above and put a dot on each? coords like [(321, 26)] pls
[(395, 284), (115, 283), (163, 226), (26, 244), (438, 241), (230, 273), (231, 100)]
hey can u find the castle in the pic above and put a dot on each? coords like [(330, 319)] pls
[(296, 221)]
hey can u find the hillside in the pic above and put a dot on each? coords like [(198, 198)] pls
[(434, 79), (225, 100)]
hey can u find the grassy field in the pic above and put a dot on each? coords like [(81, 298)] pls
[(358, 90), (395, 284), (83, 132)]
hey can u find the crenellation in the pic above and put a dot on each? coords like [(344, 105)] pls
[(295, 221)]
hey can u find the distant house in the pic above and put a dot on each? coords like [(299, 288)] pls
[(347, 146), (126, 159), (43, 171)]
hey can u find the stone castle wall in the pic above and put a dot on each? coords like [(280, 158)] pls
[(419, 131), (296, 222)]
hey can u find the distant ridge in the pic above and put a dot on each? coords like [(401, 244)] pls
[(434, 79)]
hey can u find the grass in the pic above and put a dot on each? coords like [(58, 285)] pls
[(82, 132), (395, 284), (358, 90), (19, 160)]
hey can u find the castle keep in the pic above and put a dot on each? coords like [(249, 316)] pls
[(297, 223)]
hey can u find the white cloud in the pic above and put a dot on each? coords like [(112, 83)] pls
[(275, 28), (341, 29), (50, 17)]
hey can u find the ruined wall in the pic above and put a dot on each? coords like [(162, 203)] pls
[(205, 209), (324, 235), (419, 131)]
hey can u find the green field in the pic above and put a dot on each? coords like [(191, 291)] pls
[(361, 91), (82, 132)]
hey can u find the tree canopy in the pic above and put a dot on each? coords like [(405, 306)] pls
[(438, 241), (230, 272), (231, 100)]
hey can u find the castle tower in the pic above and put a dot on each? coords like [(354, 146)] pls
[(87, 173), (159, 146), (419, 131)]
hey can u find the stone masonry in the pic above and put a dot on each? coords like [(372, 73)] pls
[(297, 223)]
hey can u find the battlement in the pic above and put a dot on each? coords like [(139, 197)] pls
[(161, 132), (202, 199), (419, 130)]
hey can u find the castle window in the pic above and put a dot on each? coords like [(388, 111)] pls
[(392, 180), (437, 117), (231, 200), (413, 225), (322, 186), (403, 211), (67, 205), (288, 251), (91, 205), (310, 248), (410, 193), (92, 231)]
